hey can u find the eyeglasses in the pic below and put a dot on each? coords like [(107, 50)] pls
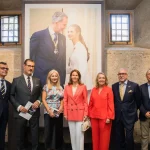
[(3, 68), (119, 74), (30, 66)]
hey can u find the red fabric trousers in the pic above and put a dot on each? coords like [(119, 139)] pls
[(100, 134)]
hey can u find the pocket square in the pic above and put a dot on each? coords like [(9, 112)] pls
[(37, 85), (130, 91)]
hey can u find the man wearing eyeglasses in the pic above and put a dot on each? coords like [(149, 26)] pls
[(4, 97), (127, 101), (26, 88)]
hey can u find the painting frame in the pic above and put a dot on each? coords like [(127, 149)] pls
[(99, 51)]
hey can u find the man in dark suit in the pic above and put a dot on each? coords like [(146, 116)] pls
[(48, 49), (26, 88), (127, 101), (4, 97), (145, 112)]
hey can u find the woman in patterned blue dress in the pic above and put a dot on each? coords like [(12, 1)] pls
[(52, 98)]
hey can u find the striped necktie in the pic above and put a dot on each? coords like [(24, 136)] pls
[(2, 88), (29, 84)]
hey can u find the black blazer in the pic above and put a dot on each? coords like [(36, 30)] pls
[(127, 109), (145, 101), (20, 93), (4, 105), (42, 52)]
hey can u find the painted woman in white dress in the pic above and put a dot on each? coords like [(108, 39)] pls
[(80, 55)]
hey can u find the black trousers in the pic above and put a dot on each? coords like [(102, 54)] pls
[(53, 131), (21, 125), (124, 135), (3, 124)]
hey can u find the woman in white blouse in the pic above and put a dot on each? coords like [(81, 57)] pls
[(80, 56)]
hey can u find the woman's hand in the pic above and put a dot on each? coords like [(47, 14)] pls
[(60, 110), (51, 114), (65, 117), (85, 117), (108, 121)]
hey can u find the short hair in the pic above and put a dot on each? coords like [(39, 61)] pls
[(96, 80), (25, 62), (3, 63), (70, 79), (58, 16), (147, 71)]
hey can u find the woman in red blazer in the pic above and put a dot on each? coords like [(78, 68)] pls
[(101, 112), (75, 108)]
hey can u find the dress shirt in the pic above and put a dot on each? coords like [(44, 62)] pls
[(148, 89), (125, 85), (52, 33), (4, 84), (26, 80)]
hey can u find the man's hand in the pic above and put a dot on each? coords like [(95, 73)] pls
[(35, 105), (23, 109), (147, 115)]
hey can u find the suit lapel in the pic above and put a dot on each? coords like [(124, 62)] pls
[(60, 46), (128, 87), (24, 84), (118, 91), (146, 91), (34, 83)]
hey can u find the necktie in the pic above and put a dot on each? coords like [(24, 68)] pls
[(55, 37), (121, 91), (29, 84), (2, 88)]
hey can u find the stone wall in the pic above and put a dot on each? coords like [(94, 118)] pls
[(142, 24)]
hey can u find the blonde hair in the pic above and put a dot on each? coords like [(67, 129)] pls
[(96, 80), (48, 81)]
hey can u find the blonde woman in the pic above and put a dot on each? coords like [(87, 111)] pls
[(52, 98), (101, 112)]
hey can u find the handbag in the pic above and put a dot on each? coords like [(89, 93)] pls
[(86, 124)]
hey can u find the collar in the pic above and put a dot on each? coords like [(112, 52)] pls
[(148, 84), (51, 31), (2, 79), (125, 83), (25, 76)]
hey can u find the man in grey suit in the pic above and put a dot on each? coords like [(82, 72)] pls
[(26, 88)]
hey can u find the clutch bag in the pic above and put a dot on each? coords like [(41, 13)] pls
[(86, 124)]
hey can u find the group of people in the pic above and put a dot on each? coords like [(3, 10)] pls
[(119, 103)]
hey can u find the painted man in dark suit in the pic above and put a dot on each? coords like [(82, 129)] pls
[(26, 88), (48, 48), (127, 101), (4, 97), (145, 112)]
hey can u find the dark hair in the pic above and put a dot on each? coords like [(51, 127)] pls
[(3, 63), (70, 79), (25, 62), (78, 29)]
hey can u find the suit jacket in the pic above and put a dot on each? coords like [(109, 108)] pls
[(20, 94), (145, 101), (101, 105), (127, 109), (75, 107), (42, 52), (4, 105)]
